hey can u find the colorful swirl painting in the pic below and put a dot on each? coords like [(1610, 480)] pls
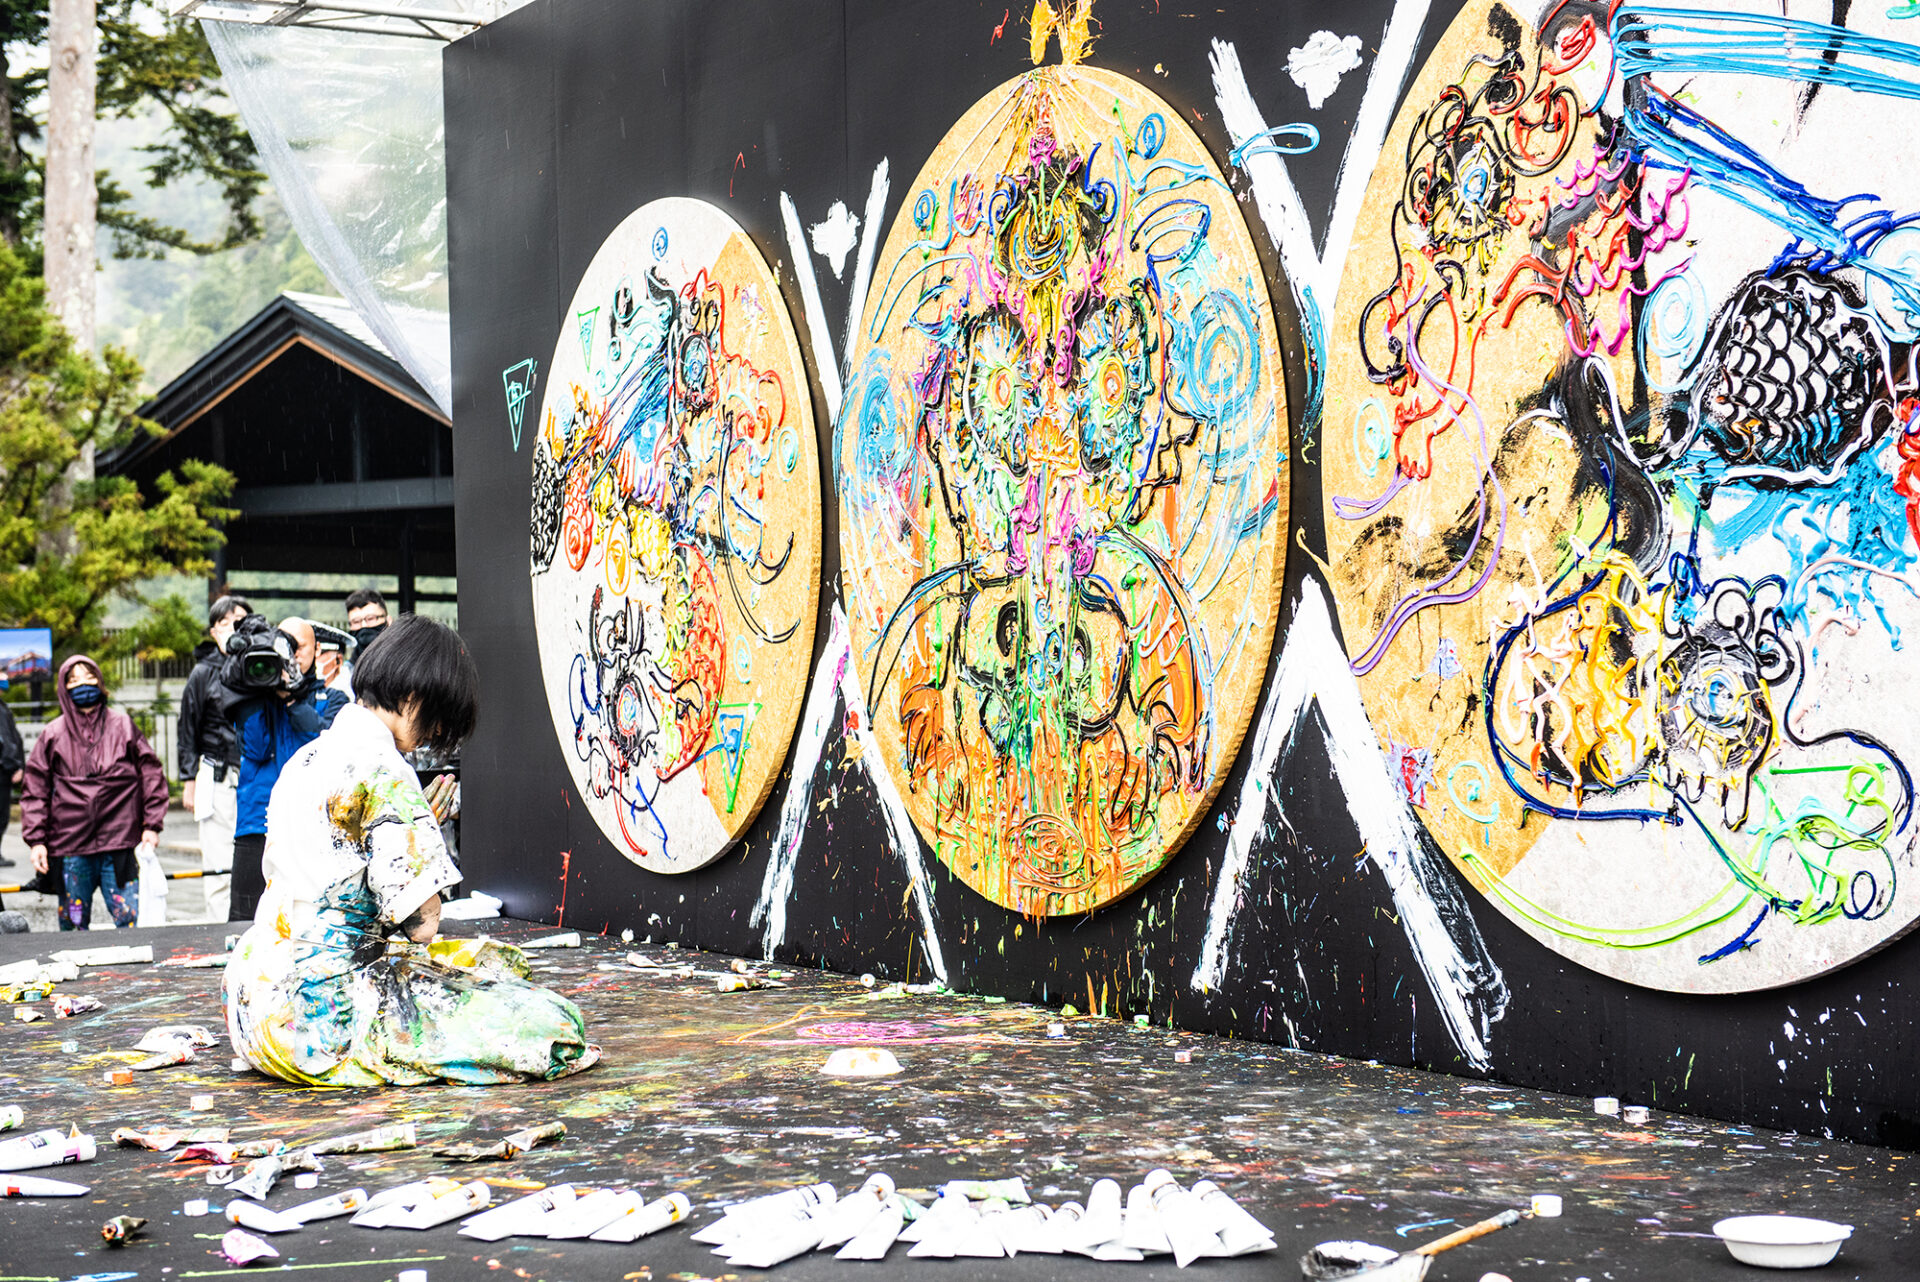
[(1063, 487), (1622, 444), (676, 534)]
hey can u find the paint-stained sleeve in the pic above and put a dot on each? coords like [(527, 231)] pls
[(407, 862)]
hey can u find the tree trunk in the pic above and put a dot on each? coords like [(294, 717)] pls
[(9, 146), (72, 200)]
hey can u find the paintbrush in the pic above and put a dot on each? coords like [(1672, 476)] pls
[(1363, 1262)]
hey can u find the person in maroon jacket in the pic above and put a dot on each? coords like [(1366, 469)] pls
[(94, 789)]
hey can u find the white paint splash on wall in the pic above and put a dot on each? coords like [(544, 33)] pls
[(833, 239), (1317, 65)]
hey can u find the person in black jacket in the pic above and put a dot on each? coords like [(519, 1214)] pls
[(210, 755), (13, 761)]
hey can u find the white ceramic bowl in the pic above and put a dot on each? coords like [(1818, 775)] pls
[(1782, 1241)]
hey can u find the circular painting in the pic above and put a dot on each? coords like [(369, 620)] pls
[(1622, 477), (676, 534), (1063, 487)]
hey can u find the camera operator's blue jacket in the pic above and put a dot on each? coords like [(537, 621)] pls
[(269, 736)]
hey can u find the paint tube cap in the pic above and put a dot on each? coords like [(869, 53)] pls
[(864, 1061), (1056, 1029), (1140, 1021), (1635, 1114), (307, 1181), (1183, 1057), (1606, 1105), (1546, 1205), (412, 1275), (1495, 1277), (196, 1206), (69, 1048), (119, 1077), (199, 1103), (867, 980)]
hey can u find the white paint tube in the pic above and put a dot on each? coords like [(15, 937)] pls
[(1102, 1222), (982, 1240), (1239, 1232), (774, 1208), (328, 1208), (43, 1149), (262, 1174), (951, 1229), (252, 1215), (1023, 1228), (845, 1218), (111, 956), (1012, 1189), (569, 940), (649, 1219), (877, 1238), (589, 1214), (1141, 1230), (387, 1203), (1185, 1226), (464, 1200), (30, 1186), (521, 1217), (765, 1247), (1063, 1228)]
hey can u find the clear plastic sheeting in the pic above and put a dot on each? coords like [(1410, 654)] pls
[(351, 131)]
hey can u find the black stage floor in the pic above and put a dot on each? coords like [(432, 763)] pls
[(720, 1095)]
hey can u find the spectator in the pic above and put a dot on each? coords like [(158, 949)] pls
[(366, 618), (271, 729), (13, 763), (94, 788), (210, 755), (330, 662)]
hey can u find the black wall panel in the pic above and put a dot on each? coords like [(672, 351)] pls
[(568, 114)]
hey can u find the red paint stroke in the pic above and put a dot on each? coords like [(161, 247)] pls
[(1001, 30), (566, 862), (739, 163)]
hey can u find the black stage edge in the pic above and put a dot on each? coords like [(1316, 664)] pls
[(720, 1096)]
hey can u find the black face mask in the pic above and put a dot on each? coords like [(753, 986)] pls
[(364, 637)]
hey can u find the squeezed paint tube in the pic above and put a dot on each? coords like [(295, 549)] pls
[(773, 1207), (243, 1248), (13, 994), (401, 1196), (12, 1117), (504, 1149), (741, 984), (1239, 1232), (28, 1015), (117, 1230), (176, 1053), (251, 1215), (763, 1250), (948, 1229), (327, 1208), (520, 1217), (1013, 1189), (1184, 1224), (742, 1231), (194, 963), (261, 1175), (649, 1218), (164, 1037), (303, 1160), (1024, 1228), (33, 1186), (840, 1222), (67, 1005), (380, 1139), (118, 955), (162, 1139), (43, 1149), (1140, 1229), (464, 1200), (588, 1215), (569, 940), (878, 1236), (1102, 1222)]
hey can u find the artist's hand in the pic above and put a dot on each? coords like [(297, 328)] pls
[(18, 775), (186, 793), (440, 796), (39, 854), (424, 924), (148, 837)]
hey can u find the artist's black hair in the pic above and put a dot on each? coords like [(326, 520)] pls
[(226, 605), (421, 659), (365, 596)]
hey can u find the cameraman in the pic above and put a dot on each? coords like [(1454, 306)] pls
[(210, 754), (273, 719)]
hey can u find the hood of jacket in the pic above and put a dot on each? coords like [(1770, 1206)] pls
[(67, 708)]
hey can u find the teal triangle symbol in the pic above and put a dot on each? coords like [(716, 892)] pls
[(519, 380), (587, 319)]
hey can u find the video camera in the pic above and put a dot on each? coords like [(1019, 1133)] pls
[(260, 658)]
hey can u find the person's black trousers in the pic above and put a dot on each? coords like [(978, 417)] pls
[(249, 877)]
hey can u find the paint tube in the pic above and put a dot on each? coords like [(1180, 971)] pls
[(1140, 1229), (12, 1117), (14, 994), (948, 1223), (163, 1139), (251, 1215), (648, 1219), (28, 1015), (117, 955), (774, 1245), (67, 1005), (261, 1175), (1184, 1225), (1239, 1232), (163, 1038), (569, 940), (194, 963), (881, 1232), (117, 1230), (506, 1149), (33, 1186), (1024, 1228), (774, 1207), (1102, 1222), (845, 1218), (303, 1160), (177, 1053), (520, 1217), (381, 1139), (590, 1214), (1012, 1190), (43, 1149), (327, 1208), (738, 984), (242, 1248), (464, 1200), (522, 1140), (401, 1195), (1063, 1226)]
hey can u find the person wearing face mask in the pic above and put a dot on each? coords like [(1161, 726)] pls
[(270, 730), (210, 754), (366, 618), (94, 790)]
